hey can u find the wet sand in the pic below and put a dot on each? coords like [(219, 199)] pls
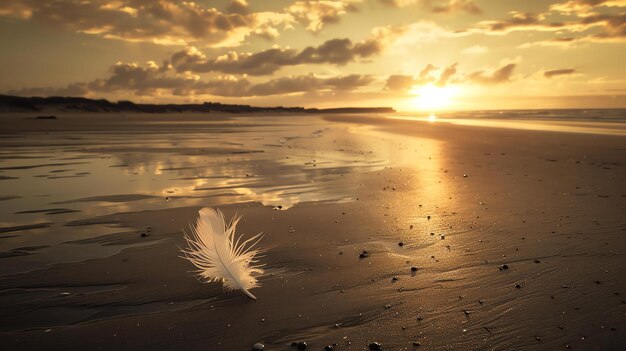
[(93, 208)]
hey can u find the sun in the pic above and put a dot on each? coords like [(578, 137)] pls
[(432, 98)]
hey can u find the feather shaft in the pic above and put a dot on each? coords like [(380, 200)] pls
[(219, 255)]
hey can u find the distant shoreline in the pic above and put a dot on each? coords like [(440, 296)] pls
[(9, 103)]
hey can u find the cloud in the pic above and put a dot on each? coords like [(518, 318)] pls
[(309, 83), (612, 27), (316, 14), (153, 80), (334, 51), (157, 21), (454, 5), (518, 21), (559, 72), (497, 76), (584, 7), (438, 6), (446, 75), (399, 82), (238, 6)]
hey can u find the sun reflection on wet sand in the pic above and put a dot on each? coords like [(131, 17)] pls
[(278, 162), (595, 127)]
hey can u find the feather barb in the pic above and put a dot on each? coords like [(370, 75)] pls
[(221, 257)]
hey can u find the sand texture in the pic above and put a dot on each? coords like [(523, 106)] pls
[(517, 236)]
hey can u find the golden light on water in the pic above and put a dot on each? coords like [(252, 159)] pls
[(431, 97)]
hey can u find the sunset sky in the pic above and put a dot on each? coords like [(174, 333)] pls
[(408, 54)]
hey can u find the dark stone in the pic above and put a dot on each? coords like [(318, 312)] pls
[(143, 235), (328, 348), (401, 244), (503, 267), (362, 255), (416, 344), (413, 269), (302, 345), (518, 286), (375, 346)]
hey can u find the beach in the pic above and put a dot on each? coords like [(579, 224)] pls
[(477, 238)]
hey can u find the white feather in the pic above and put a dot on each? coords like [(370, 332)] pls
[(218, 256)]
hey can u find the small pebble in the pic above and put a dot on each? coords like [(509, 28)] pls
[(413, 269), (375, 346), (401, 244), (416, 344), (143, 235), (302, 345), (518, 286), (503, 267), (258, 347), (328, 348)]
